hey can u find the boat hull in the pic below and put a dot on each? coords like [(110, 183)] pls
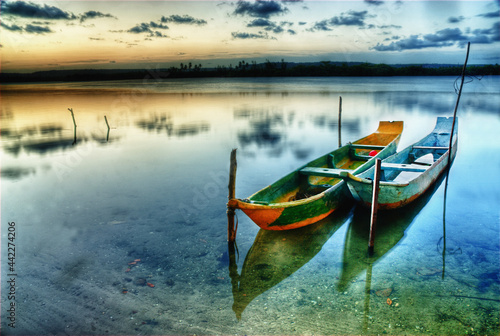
[(396, 194), (297, 200), (293, 215)]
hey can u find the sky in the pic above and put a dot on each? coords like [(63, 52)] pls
[(51, 35)]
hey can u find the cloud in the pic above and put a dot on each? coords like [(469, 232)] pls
[(147, 28), (491, 15), (29, 28), (350, 18), (443, 38), (486, 36), (453, 19), (245, 36), (260, 8), (271, 26), (185, 19), (412, 42), (389, 26), (33, 29), (374, 2), (157, 25), (260, 23), (94, 14), (14, 28), (446, 35), (140, 28), (34, 11)]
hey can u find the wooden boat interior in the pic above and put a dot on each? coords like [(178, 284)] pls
[(323, 173), (410, 166)]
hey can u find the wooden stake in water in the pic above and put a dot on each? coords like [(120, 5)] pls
[(74, 128), (106, 119), (231, 229), (374, 208), (73, 115), (340, 122), (107, 124)]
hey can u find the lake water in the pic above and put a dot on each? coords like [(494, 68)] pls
[(124, 231)]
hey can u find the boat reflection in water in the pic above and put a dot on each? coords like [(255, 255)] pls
[(390, 231), (275, 255)]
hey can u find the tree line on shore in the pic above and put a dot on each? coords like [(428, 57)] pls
[(254, 69)]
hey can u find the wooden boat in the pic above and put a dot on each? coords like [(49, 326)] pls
[(409, 173), (313, 191)]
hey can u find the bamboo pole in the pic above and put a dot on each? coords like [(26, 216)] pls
[(231, 229), (340, 121), (374, 207)]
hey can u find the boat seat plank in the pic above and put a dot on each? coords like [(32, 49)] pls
[(325, 172), (404, 167), (361, 146), (430, 147)]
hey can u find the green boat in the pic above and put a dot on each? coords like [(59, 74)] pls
[(315, 190)]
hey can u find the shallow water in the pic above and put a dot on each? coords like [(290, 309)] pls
[(87, 202)]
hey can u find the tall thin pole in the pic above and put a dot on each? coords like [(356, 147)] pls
[(449, 157), (340, 121), (374, 208), (456, 105)]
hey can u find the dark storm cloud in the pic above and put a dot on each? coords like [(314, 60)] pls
[(184, 19), (34, 11), (443, 38), (259, 8), (94, 14), (350, 18)]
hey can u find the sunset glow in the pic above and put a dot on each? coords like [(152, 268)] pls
[(44, 35)]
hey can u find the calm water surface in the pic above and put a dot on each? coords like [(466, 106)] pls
[(124, 231)]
